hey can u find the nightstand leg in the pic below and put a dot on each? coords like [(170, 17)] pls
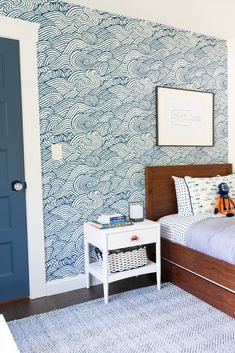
[(105, 277), (106, 292), (87, 280), (158, 261), (87, 257), (158, 280)]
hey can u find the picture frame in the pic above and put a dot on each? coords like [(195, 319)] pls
[(184, 117)]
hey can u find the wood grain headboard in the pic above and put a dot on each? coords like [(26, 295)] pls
[(160, 189)]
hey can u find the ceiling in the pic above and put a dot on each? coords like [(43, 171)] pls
[(212, 17)]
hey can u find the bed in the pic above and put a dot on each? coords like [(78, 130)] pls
[(206, 277)]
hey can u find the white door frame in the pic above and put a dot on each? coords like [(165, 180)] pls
[(231, 104), (27, 34)]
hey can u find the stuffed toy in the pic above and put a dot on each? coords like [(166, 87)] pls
[(224, 201)]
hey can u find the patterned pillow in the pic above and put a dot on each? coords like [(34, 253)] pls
[(182, 196), (204, 191)]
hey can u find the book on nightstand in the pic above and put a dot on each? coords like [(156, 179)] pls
[(113, 218), (111, 224)]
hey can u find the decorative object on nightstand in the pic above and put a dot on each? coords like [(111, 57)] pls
[(110, 239), (136, 211)]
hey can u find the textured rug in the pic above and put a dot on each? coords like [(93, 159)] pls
[(139, 321)]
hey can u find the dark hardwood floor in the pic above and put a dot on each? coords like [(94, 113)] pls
[(26, 307)]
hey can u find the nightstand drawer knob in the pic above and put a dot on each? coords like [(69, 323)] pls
[(134, 237)]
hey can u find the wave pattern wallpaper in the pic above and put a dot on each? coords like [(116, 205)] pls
[(97, 75)]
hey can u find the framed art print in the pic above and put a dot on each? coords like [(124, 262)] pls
[(184, 117)]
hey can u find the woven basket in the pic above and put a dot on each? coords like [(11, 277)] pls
[(125, 259)]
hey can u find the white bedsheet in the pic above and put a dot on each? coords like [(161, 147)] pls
[(174, 227)]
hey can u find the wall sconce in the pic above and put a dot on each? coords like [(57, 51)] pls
[(136, 211)]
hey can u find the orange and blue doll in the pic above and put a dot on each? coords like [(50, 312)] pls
[(225, 203)]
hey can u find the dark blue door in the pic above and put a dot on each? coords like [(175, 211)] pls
[(14, 282)]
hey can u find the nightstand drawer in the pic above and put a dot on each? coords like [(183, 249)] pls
[(132, 238)]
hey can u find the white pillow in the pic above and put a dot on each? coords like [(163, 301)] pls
[(182, 197), (204, 191)]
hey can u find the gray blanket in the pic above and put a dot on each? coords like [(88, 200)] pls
[(214, 237)]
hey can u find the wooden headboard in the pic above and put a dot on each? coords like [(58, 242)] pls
[(160, 189)]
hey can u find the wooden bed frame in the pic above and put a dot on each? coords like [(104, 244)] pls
[(206, 277)]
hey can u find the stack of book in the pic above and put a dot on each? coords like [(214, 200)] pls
[(111, 221)]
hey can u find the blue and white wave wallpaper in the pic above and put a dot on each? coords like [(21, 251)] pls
[(97, 75)]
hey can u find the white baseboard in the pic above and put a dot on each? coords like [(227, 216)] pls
[(68, 284)]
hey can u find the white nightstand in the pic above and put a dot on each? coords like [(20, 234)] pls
[(145, 232)]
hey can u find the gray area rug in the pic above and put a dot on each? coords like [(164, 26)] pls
[(142, 320)]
